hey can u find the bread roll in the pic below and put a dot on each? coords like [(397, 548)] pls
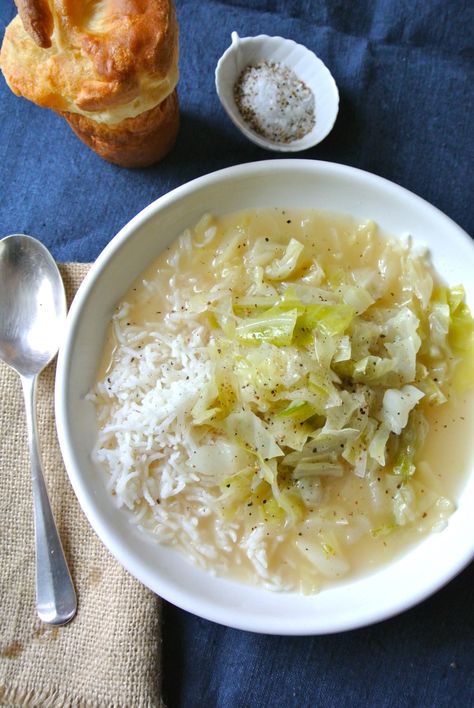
[(109, 67)]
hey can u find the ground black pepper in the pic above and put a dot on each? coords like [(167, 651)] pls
[(275, 102)]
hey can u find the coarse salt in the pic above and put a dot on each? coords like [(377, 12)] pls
[(275, 102)]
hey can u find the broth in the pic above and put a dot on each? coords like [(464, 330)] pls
[(346, 525)]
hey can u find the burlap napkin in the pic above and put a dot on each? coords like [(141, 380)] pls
[(109, 655)]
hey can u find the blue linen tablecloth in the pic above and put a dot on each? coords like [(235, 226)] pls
[(405, 74)]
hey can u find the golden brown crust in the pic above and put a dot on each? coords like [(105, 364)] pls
[(103, 53), (141, 39), (37, 20), (110, 67), (135, 142)]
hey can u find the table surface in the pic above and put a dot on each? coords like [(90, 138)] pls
[(405, 72)]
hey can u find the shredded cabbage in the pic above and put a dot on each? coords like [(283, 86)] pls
[(325, 373)]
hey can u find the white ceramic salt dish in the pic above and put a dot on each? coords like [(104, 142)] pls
[(304, 63)]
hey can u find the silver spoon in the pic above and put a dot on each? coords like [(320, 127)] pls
[(32, 318)]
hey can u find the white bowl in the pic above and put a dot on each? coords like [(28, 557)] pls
[(293, 184), (306, 65)]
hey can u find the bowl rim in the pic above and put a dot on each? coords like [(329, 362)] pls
[(179, 596), (300, 145)]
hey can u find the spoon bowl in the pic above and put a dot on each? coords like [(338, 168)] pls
[(32, 319), (33, 305)]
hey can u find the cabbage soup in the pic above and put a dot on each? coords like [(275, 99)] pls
[(286, 398)]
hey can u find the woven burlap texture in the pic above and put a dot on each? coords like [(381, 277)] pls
[(109, 655)]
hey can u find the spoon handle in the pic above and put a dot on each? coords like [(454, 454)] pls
[(55, 595)]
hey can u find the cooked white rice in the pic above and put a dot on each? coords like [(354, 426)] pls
[(146, 446)]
